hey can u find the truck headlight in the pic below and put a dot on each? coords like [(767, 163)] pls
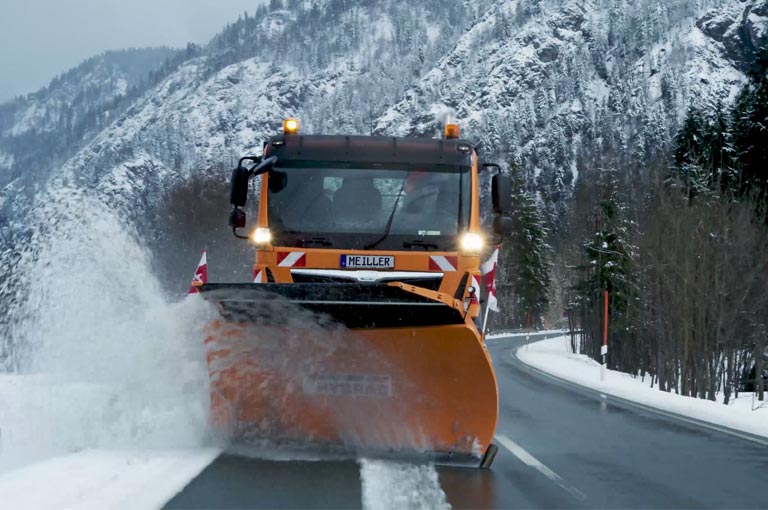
[(471, 242), (261, 235)]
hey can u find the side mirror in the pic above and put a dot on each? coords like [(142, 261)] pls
[(501, 194), (236, 221), (238, 194), (237, 218), (502, 225)]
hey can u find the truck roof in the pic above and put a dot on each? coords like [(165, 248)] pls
[(370, 149)]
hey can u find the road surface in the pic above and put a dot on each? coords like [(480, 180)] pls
[(559, 447)]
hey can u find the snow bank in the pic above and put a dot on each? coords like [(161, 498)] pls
[(553, 356), (103, 479)]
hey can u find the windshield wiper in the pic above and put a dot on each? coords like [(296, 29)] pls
[(389, 221), (420, 244), (315, 241)]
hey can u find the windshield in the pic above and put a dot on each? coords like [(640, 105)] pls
[(424, 207)]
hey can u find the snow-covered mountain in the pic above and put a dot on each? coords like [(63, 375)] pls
[(49, 125), (545, 86), (538, 82), (96, 81)]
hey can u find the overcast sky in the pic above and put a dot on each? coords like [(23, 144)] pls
[(42, 38)]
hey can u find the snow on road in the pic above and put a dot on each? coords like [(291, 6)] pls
[(99, 479), (107, 406), (147, 479), (47, 415), (553, 356), (393, 485)]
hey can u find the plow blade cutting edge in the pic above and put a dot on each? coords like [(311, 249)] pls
[(364, 369)]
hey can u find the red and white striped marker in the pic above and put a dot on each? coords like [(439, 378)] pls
[(292, 259), (476, 295), (444, 264), (201, 275), (258, 276), (488, 270), (473, 297)]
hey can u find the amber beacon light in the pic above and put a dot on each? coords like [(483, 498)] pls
[(290, 126), (452, 131)]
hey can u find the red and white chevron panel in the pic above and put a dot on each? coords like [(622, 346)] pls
[(259, 276), (292, 259), (472, 299), (444, 264), (476, 284)]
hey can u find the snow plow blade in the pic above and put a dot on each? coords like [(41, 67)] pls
[(365, 369)]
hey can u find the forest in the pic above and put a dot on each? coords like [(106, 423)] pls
[(679, 243)]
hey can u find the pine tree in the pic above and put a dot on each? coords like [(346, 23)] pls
[(689, 140), (750, 129), (719, 151), (608, 257), (691, 157), (526, 258), (704, 154)]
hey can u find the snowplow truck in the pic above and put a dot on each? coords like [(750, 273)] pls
[(358, 332)]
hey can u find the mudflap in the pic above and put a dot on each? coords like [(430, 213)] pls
[(416, 381), (489, 457)]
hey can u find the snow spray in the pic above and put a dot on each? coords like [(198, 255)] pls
[(107, 360)]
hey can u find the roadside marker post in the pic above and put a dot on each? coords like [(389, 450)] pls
[(604, 348), (528, 331)]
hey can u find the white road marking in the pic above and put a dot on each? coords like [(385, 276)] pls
[(529, 460)]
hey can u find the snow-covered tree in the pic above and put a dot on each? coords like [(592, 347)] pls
[(524, 280), (750, 129), (608, 266)]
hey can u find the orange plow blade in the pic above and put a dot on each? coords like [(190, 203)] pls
[(426, 390)]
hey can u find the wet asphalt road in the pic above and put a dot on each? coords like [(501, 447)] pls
[(559, 447)]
